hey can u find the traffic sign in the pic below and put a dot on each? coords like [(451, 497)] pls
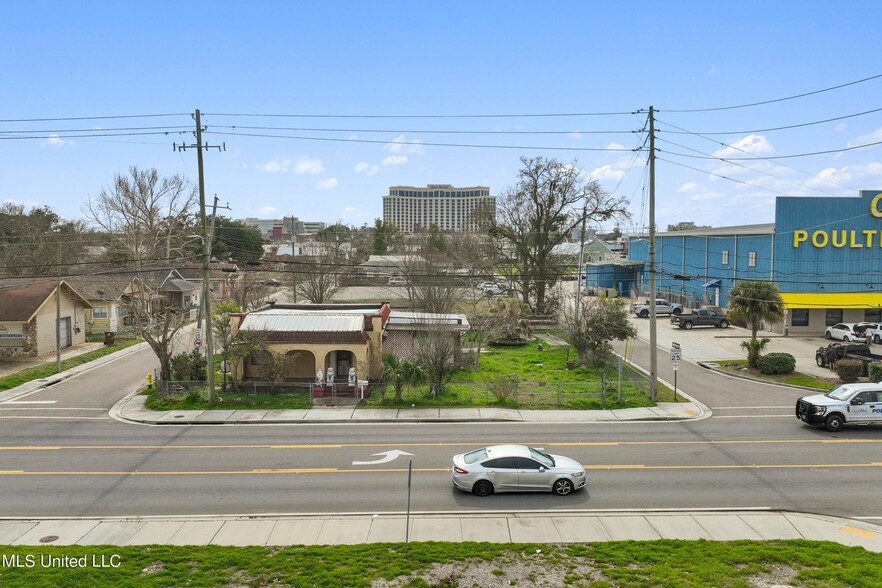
[(197, 343), (676, 355)]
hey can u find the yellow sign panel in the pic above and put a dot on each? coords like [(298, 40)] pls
[(832, 299)]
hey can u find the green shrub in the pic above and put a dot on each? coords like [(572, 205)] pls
[(874, 371), (189, 367), (776, 363), (849, 370)]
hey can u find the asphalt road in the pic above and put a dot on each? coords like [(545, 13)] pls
[(61, 455)]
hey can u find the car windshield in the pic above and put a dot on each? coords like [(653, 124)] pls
[(476, 455), (542, 458), (841, 393)]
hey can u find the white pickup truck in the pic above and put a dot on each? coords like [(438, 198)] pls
[(857, 404), (662, 306)]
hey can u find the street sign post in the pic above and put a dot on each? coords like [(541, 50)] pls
[(676, 356)]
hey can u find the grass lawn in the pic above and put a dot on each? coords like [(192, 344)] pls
[(47, 369), (664, 563), (739, 367)]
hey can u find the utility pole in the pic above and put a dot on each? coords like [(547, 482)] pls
[(58, 310), (293, 269), (579, 269), (653, 358), (206, 252)]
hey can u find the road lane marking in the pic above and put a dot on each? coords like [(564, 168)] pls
[(30, 402), (450, 444), (272, 471)]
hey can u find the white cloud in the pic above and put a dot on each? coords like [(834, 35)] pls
[(575, 135), (832, 179), (688, 187), (328, 184), (55, 141), (267, 211), (363, 167), (873, 137), (841, 127), (616, 146), (749, 145), (399, 146), (305, 165), (606, 173), (277, 165), (394, 160)]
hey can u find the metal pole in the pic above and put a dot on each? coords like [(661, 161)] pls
[(58, 311), (578, 301), (407, 519)]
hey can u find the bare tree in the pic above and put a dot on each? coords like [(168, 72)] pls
[(435, 350), (430, 286), (146, 218), (548, 201)]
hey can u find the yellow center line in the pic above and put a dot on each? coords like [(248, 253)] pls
[(424, 470), (441, 444)]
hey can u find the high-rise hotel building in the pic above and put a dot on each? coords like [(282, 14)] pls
[(414, 209)]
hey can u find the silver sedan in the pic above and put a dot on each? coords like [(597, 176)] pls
[(516, 468)]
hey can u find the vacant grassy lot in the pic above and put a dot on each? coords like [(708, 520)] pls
[(698, 564), (511, 377)]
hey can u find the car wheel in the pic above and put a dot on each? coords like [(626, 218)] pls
[(724, 324), (877, 339), (482, 488), (687, 325), (678, 310), (828, 335), (819, 359), (562, 487), (644, 313), (834, 423), (845, 339)]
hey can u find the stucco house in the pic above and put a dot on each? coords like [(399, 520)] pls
[(319, 337), (342, 336), (29, 315)]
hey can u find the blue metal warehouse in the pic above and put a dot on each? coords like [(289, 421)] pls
[(824, 254)]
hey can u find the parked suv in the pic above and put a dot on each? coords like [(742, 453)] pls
[(661, 307), (844, 332)]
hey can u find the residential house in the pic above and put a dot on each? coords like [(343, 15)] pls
[(111, 292), (30, 320)]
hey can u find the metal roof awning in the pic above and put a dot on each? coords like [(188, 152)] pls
[(711, 284)]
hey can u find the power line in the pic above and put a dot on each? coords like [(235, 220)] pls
[(775, 100), (783, 128)]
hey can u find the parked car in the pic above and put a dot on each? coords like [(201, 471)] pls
[(516, 468), (397, 281), (843, 332), (495, 290)]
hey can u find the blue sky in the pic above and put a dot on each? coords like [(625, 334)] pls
[(392, 81)]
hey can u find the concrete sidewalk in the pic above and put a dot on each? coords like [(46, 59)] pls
[(132, 410), (495, 527)]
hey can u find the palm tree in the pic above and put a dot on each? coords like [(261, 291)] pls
[(400, 373), (755, 302)]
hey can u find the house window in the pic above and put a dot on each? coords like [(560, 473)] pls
[(751, 259), (99, 312), (873, 315), (800, 317), (833, 316), (725, 259), (261, 357)]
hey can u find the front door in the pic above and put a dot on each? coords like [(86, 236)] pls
[(64, 334), (532, 475), (865, 407)]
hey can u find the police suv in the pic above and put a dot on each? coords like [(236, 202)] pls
[(857, 404)]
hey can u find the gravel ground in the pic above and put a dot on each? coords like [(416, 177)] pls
[(537, 572)]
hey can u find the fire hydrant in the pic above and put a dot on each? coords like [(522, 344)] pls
[(149, 380)]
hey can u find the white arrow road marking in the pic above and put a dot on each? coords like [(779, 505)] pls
[(387, 457)]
